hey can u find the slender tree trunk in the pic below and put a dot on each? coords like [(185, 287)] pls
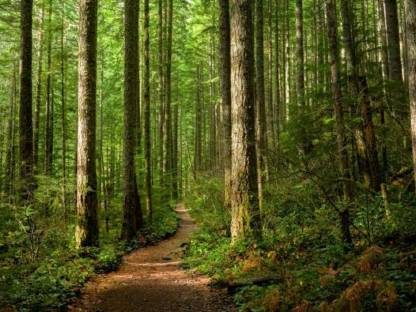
[(167, 133), (161, 90), (49, 102), (86, 233), (246, 218), (410, 8), (300, 74), (198, 125), (393, 40), (225, 62), (25, 116), (146, 111), (261, 139), (287, 62), (270, 115), (339, 117), (36, 121), (277, 103), (10, 148), (175, 158), (132, 217), (364, 133), (63, 112), (383, 58)]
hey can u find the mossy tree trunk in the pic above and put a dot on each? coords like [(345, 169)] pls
[(246, 219), (86, 232)]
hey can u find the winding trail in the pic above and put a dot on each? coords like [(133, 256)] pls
[(151, 280)]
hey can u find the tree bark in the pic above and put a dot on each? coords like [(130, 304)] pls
[(36, 121), (167, 132), (161, 90), (300, 76), (364, 132), (225, 68), (410, 8), (63, 113), (132, 215), (339, 117), (146, 112), (49, 102), (10, 146), (393, 40), (86, 232), (246, 218), (25, 116), (261, 138)]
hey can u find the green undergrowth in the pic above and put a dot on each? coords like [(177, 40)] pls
[(301, 263), (39, 266)]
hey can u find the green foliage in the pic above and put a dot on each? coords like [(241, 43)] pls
[(39, 267), (302, 263)]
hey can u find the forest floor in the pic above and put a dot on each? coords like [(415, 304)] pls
[(151, 279)]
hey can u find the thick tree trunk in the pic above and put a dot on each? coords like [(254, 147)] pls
[(225, 62), (132, 216), (146, 112), (339, 117), (410, 8), (86, 233), (246, 218), (25, 116)]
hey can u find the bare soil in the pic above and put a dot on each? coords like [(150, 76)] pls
[(152, 280)]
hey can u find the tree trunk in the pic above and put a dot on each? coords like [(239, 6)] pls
[(146, 111), (261, 139), (277, 98), (393, 40), (36, 121), (364, 132), (49, 101), (63, 112), (225, 74), (198, 125), (167, 132), (410, 8), (161, 89), (25, 116), (246, 218), (10, 146), (339, 117), (86, 233), (132, 216), (300, 75)]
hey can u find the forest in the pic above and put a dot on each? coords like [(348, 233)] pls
[(208, 155)]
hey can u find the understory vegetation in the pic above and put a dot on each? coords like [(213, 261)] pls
[(40, 268), (302, 264)]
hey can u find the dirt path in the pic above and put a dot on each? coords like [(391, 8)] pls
[(151, 280)]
